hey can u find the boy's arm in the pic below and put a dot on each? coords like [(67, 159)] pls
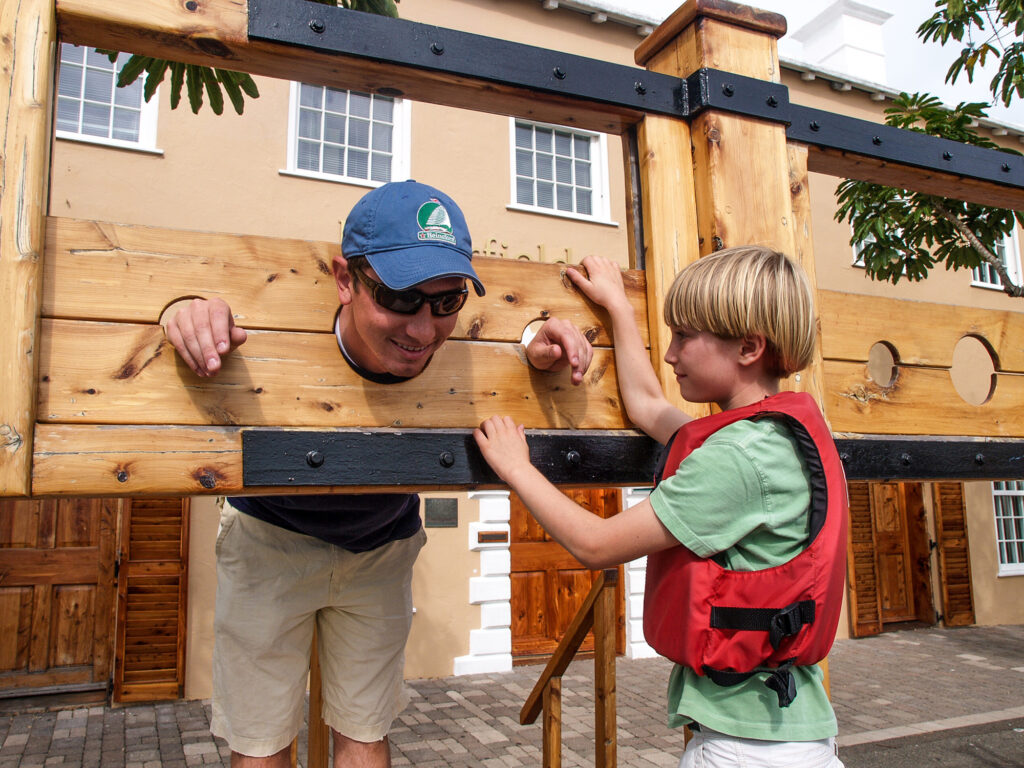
[(596, 542), (202, 331), (646, 404)]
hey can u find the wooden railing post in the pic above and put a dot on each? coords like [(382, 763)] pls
[(27, 65), (597, 612)]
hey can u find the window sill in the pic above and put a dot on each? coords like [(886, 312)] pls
[(331, 178), (560, 214), (1007, 572), (111, 143), (986, 286)]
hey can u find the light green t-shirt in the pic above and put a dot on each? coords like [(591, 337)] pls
[(742, 498)]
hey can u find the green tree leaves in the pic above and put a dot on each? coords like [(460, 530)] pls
[(903, 234)]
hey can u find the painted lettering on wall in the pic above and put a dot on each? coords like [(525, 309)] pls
[(499, 249)]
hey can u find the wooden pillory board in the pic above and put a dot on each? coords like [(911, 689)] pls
[(94, 401)]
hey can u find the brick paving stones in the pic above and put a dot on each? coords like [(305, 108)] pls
[(892, 685)]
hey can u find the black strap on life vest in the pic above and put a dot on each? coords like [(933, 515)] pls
[(779, 623), (780, 680)]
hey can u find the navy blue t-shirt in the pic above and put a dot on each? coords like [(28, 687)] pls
[(356, 522)]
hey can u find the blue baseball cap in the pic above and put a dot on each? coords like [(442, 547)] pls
[(410, 233)]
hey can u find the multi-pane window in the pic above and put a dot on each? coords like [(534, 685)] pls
[(90, 105), (985, 274), (559, 170), (345, 134), (1008, 498)]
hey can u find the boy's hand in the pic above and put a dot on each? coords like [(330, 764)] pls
[(503, 444), (559, 344), (602, 282), (203, 331)]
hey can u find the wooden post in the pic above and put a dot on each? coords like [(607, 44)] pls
[(319, 735), (552, 738), (749, 187), (29, 31), (605, 736)]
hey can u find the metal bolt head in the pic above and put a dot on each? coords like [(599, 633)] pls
[(979, 458), (122, 476), (771, 101), (639, 87), (905, 458), (559, 73), (315, 459), (728, 89), (317, 25), (573, 458), (191, 5), (447, 459), (437, 48), (1005, 167), (815, 125), (947, 155), (876, 140)]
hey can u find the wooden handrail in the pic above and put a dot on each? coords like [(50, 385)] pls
[(597, 612)]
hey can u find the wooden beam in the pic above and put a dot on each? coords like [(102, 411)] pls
[(104, 373), (922, 333), (921, 401), (129, 273), (848, 165), (215, 33), (27, 65)]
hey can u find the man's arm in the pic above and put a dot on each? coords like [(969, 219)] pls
[(202, 331)]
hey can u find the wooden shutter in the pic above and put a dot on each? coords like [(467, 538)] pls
[(954, 554), (865, 604), (152, 595)]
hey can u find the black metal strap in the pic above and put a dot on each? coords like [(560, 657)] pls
[(779, 623)]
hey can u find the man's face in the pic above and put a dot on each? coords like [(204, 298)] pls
[(383, 341)]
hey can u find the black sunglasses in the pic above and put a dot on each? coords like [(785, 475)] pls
[(408, 302)]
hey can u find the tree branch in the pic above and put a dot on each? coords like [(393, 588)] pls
[(986, 255)]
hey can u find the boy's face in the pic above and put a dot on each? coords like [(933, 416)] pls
[(706, 366), (383, 341)]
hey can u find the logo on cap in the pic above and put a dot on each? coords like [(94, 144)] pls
[(434, 222)]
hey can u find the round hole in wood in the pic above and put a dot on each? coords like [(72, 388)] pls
[(974, 370), (882, 360)]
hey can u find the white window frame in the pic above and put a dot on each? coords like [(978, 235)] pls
[(600, 198), (985, 276), (1008, 509), (148, 116), (401, 145)]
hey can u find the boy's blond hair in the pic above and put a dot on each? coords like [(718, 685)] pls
[(747, 290)]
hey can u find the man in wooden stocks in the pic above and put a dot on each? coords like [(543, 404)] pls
[(343, 561)]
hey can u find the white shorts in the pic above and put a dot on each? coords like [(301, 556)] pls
[(272, 585), (711, 749)]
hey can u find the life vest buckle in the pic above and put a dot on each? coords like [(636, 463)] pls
[(789, 620)]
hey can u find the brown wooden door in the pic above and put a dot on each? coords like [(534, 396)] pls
[(151, 601), (954, 554), (889, 564), (892, 553), (549, 584), (57, 591)]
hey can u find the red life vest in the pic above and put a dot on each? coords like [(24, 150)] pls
[(730, 624)]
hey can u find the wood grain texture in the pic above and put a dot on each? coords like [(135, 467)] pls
[(922, 333), (105, 373), (121, 272), (922, 401), (27, 62)]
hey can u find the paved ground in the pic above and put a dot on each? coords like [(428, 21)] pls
[(901, 691)]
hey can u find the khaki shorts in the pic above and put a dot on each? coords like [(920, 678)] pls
[(272, 585)]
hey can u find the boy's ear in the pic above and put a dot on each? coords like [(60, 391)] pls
[(753, 348), (343, 279)]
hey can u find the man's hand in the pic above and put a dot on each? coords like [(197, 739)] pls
[(503, 444), (559, 344), (202, 331)]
